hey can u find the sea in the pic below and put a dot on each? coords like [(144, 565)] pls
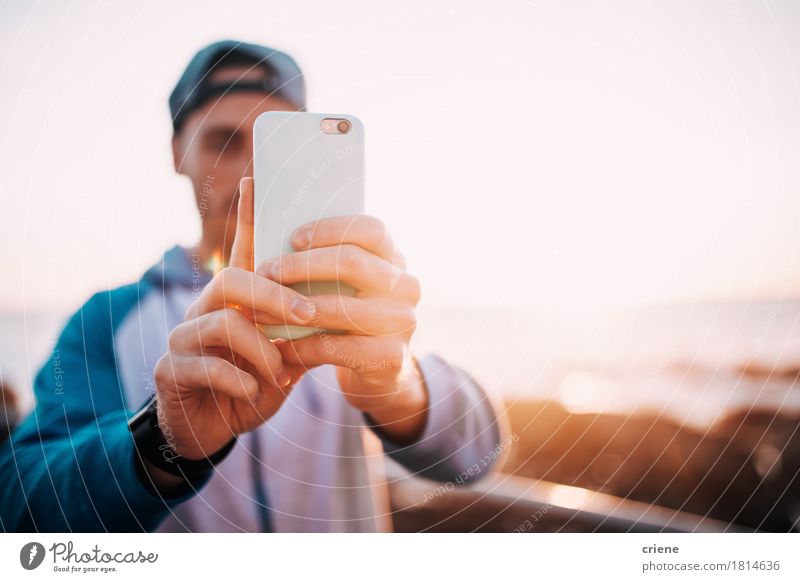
[(689, 360)]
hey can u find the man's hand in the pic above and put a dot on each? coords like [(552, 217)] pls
[(222, 376), (376, 371)]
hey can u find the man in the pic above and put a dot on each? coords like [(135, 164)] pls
[(236, 432)]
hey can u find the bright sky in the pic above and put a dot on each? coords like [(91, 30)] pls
[(556, 158)]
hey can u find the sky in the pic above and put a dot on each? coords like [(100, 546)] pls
[(557, 159)]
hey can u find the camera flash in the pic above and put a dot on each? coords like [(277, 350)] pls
[(331, 125)]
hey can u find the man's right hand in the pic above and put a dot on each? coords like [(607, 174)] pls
[(221, 376)]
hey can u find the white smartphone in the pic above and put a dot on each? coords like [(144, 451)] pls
[(306, 166)]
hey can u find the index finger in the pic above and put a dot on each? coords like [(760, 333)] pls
[(361, 230), (242, 251)]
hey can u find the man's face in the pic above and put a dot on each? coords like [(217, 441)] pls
[(214, 148)]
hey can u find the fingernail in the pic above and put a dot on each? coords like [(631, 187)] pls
[(303, 309), (283, 379), (274, 270), (301, 238)]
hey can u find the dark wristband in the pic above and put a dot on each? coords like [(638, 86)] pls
[(153, 447)]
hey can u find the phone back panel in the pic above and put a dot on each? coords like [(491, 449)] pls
[(302, 174)]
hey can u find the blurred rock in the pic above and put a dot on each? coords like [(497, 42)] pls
[(743, 469), (9, 412)]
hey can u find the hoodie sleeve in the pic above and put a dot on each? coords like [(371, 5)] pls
[(462, 439), (70, 465)]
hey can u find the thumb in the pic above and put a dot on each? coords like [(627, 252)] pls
[(242, 251)]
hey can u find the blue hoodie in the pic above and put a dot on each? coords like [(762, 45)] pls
[(69, 466)]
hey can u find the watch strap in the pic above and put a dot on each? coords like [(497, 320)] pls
[(153, 446)]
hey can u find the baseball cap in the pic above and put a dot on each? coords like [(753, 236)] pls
[(282, 77)]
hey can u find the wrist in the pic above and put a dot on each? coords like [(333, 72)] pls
[(159, 483), (155, 448), (405, 418), (412, 394)]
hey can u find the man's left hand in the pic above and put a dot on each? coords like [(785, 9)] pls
[(375, 369)]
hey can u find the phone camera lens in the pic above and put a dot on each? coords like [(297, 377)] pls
[(343, 126)]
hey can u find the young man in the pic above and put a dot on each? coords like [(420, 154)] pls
[(236, 432)]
